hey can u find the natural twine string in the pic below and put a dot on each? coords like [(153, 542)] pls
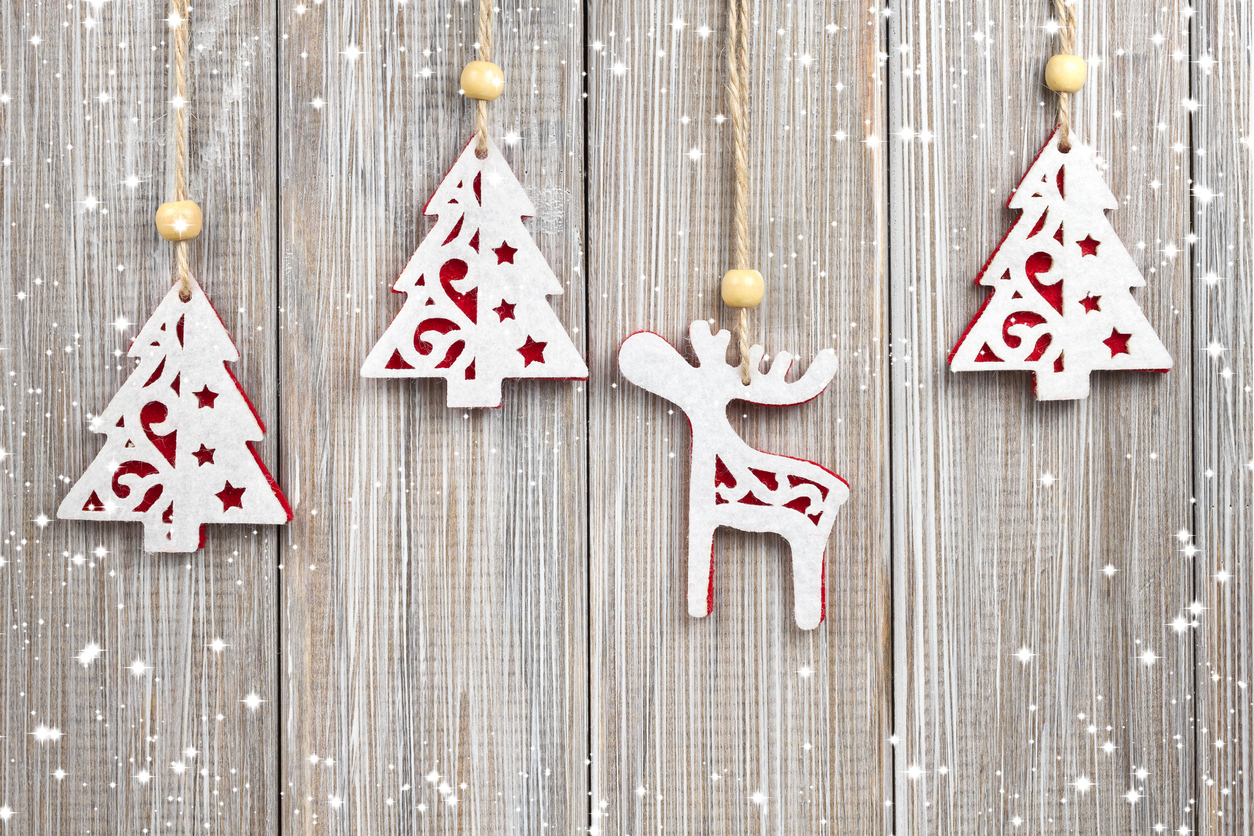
[(485, 54), (184, 270), (1068, 22), (738, 99)]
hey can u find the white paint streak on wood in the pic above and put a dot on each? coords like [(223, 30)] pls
[(62, 359), (1223, 429), (988, 557), (693, 718), (434, 613)]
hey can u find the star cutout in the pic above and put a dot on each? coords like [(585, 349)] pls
[(232, 497), (1117, 342), (532, 352), (203, 456), (505, 310), (205, 398), (505, 253), (1088, 246), (1090, 303)]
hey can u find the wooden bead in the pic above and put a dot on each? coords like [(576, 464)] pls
[(483, 80), (1065, 73), (743, 288), (179, 220)]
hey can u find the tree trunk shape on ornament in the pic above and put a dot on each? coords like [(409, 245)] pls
[(731, 483), (1061, 305)]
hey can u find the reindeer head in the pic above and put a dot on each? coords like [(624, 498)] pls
[(653, 364)]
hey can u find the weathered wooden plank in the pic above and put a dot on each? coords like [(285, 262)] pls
[(434, 605), (739, 722), (81, 268), (1007, 511), (1223, 429)]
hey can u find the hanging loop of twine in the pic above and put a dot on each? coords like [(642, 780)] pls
[(183, 269), (738, 105), (485, 54), (1068, 22)]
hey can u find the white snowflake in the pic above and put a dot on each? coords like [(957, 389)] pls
[(46, 734), (90, 653)]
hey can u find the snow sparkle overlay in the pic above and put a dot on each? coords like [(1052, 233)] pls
[(1090, 774)]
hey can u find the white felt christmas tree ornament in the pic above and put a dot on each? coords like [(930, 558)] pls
[(1061, 304), (179, 436), (476, 310), (733, 485)]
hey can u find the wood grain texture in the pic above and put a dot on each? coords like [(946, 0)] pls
[(81, 268), (740, 722), (1223, 429), (990, 556), (434, 611), (477, 621)]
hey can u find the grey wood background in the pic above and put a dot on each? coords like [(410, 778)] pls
[(476, 620)]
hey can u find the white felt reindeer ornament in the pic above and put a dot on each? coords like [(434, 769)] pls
[(732, 484)]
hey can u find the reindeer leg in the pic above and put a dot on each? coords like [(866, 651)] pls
[(700, 566), (808, 581)]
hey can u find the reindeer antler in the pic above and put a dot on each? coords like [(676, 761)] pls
[(768, 388), (650, 362), (711, 349)]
